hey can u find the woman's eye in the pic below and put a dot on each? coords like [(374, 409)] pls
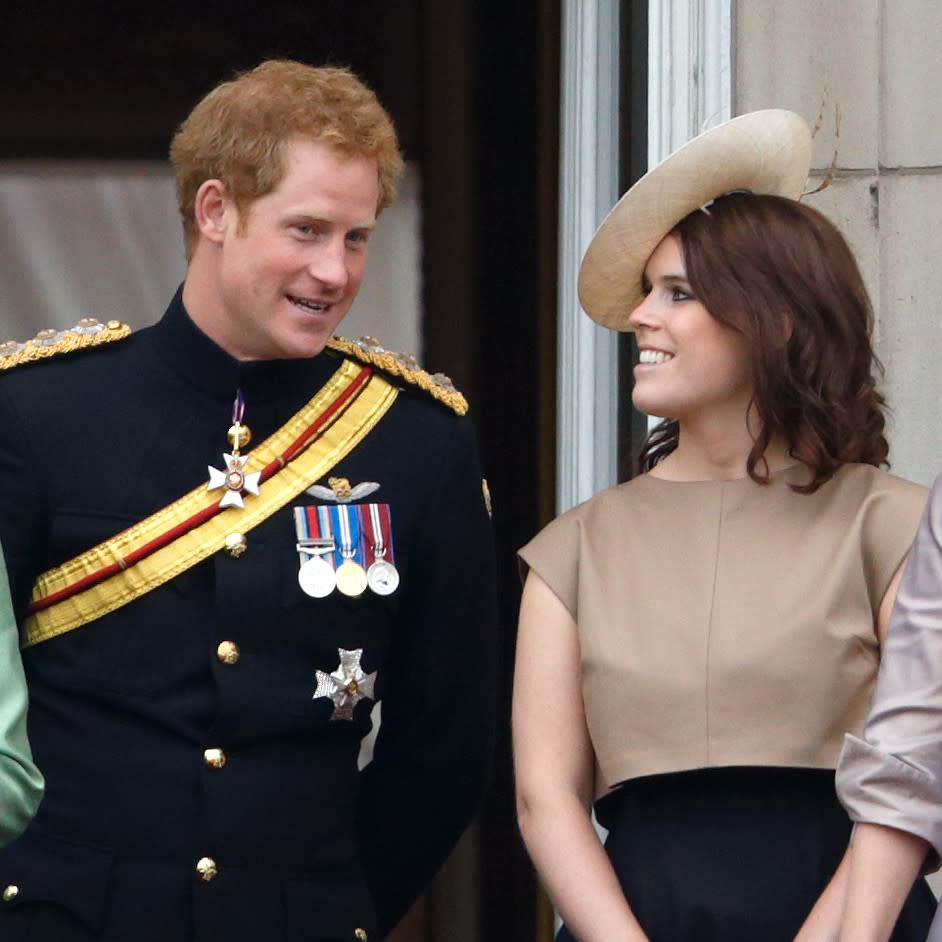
[(678, 294)]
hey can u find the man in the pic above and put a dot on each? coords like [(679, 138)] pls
[(228, 537)]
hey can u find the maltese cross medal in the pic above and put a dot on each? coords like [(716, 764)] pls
[(347, 685), (234, 480)]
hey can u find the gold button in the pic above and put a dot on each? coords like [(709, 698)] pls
[(113, 325), (10, 893), (361, 935), (228, 652), (206, 869), (214, 758), (236, 544)]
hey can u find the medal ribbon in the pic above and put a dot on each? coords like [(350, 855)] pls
[(376, 523), (347, 530), (308, 528)]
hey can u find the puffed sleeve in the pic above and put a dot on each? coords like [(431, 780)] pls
[(893, 775), (432, 755), (21, 785)]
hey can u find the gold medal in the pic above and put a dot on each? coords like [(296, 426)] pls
[(351, 578)]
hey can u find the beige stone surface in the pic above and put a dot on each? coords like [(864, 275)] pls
[(788, 53), (910, 316), (911, 129), (851, 203)]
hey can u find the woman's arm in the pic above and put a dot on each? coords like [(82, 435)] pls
[(884, 862), (554, 765)]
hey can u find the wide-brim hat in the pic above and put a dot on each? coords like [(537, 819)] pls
[(764, 152)]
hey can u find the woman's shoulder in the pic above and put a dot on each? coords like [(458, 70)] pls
[(866, 482), (602, 508)]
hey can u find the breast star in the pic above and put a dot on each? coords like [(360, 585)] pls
[(347, 685)]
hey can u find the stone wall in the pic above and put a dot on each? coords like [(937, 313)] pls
[(878, 61)]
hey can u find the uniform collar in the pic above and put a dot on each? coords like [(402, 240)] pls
[(204, 365)]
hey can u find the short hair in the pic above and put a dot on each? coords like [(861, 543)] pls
[(782, 275), (237, 133)]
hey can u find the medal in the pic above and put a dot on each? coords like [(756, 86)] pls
[(315, 547), (351, 576), (347, 685), (234, 479), (317, 577), (381, 576)]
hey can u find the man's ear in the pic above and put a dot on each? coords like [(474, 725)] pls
[(213, 210)]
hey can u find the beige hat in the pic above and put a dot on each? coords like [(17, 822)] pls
[(763, 152)]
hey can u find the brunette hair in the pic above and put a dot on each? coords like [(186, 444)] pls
[(237, 133), (781, 274)]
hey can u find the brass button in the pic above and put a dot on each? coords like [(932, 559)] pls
[(236, 544), (228, 652), (10, 893), (113, 325), (206, 869), (361, 935), (214, 758)]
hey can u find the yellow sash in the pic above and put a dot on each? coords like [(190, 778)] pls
[(340, 437)]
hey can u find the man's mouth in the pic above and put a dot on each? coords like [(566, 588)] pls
[(316, 307)]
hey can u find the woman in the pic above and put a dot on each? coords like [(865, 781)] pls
[(693, 643), (891, 780), (21, 785)]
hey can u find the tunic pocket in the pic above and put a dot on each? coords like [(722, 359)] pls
[(322, 908), (53, 888)]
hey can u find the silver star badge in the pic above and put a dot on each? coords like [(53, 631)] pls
[(234, 480), (347, 685)]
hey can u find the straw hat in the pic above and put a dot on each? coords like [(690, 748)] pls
[(763, 152)]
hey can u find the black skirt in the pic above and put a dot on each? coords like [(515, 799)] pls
[(733, 855)]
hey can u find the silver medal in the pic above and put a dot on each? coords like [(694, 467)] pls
[(382, 577), (317, 578)]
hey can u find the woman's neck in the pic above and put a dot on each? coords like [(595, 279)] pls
[(718, 453)]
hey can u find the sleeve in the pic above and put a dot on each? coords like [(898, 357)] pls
[(553, 554), (21, 785), (893, 775), (432, 755)]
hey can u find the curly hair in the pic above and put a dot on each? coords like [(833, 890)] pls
[(782, 275), (238, 132)]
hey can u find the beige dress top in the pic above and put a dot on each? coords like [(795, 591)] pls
[(726, 623)]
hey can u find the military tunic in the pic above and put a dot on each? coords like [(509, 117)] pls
[(196, 788)]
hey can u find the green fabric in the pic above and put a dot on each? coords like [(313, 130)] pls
[(21, 784)]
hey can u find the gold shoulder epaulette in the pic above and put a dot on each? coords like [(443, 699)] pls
[(50, 342), (402, 366)]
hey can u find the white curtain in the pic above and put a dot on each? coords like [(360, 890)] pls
[(103, 239)]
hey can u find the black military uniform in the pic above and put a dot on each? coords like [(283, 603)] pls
[(196, 787)]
